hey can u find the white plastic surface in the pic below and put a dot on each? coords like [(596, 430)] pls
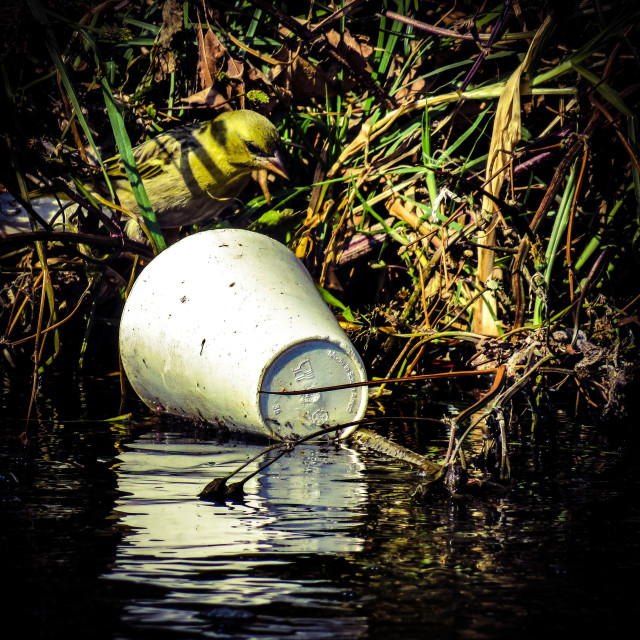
[(224, 315), (15, 219)]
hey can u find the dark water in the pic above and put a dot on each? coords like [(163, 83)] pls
[(102, 535)]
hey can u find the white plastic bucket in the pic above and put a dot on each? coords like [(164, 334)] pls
[(224, 316)]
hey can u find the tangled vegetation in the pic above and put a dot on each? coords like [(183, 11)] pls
[(464, 178)]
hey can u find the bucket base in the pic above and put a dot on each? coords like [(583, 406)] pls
[(312, 364)]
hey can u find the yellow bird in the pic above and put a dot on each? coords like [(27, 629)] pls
[(191, 173)]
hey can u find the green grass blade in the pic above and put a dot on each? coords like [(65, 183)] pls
[(126, 152)]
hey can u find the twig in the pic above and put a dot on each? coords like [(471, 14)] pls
[(369, 383), (28, 237)]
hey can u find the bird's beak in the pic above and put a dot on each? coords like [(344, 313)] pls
[(275, 165)]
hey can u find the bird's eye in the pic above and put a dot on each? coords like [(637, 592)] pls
[(254, 149)]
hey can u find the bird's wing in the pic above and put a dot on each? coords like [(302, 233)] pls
[(151, 157)]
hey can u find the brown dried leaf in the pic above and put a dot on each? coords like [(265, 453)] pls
[(306, 80), (255, 75), (164, 63), (258, 80), (417, 86), (208, 97), (283, 55), (299, 78), (211, 54), (349, 46), (235, 86), (235, 68), (412, 84)]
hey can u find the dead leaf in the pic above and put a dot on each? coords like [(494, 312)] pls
[(306, 80), (411, 83), (350, 46), (235, 84), (258, 80), (235, 68), (164, 63), (300, 78), (209, 97), (211, 54)]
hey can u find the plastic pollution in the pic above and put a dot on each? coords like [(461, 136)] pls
[(15, 219), (220, 321)]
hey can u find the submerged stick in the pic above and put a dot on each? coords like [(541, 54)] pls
[(379, 443)]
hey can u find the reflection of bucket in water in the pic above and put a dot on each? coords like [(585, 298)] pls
[(314, 496), (308, 501), (219, 323), (184, 558)]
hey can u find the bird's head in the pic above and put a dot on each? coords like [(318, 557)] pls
[(250, 141)]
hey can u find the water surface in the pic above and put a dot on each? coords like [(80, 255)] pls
[(103, 536)]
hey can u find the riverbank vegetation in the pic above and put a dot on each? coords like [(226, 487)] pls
[(464, 182)]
